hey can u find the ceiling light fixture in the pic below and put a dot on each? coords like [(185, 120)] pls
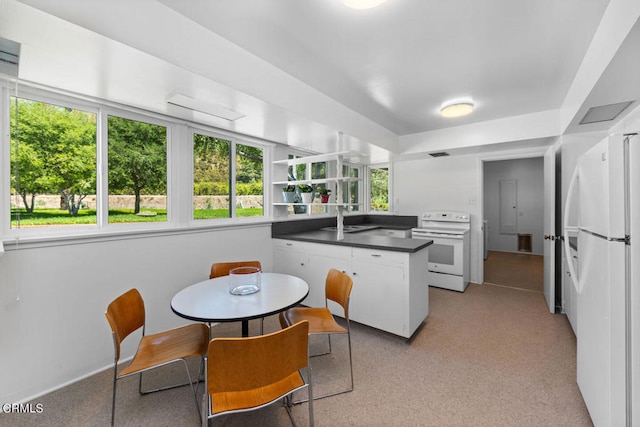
[(457, 108), (362, 4)]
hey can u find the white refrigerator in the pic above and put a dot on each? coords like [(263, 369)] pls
[(604, 194)]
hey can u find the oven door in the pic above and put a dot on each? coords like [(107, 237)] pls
[(446, 253)]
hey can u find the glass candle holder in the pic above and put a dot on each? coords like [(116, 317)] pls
[(244, 280)]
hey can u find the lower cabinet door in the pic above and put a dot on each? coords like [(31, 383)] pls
[(319, 267), (378, 296), (292, 262)]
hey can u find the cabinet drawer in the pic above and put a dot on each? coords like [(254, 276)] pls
[(309, 248), (288, 244), (382, 257)]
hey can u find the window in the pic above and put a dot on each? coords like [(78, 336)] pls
[(379, 189), (214, 174), (249, 200), (137, 171), (53, 164), (351, 188), (74, 165)]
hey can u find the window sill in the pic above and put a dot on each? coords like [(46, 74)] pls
[(28, 242)]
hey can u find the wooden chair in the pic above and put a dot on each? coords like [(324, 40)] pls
[(126, 314), (338, 289), (222, 269), (244, 374)]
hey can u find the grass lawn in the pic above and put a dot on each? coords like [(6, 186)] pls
[(46, 217)]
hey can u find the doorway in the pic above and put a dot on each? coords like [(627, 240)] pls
[(513, 202)]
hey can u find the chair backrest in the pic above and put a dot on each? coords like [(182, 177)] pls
[(338, 288), (125, 315), (240, 364), (222, 268)]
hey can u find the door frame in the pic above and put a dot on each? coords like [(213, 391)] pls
[(491, 157)]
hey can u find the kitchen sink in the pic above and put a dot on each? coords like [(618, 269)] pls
[(351, 228)]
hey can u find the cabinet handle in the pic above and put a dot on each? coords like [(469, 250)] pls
[(289, 244), (354, 273), (376, 255), (302, 263)]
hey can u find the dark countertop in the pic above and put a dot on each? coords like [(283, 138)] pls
[(359, 240), (310, 230)]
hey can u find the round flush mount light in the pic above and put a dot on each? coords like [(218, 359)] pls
[(458, 108), (362, 4)]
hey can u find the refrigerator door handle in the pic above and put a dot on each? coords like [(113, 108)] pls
[(567, 229)]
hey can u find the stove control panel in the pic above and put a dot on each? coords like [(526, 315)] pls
[(444, 216)]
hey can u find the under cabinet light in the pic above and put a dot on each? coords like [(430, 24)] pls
[(204, 107)]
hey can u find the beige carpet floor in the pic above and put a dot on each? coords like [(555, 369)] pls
[(515, 270), (491, 356)]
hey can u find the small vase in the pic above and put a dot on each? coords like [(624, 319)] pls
[(307, 197), (289, 196), (324, 198)]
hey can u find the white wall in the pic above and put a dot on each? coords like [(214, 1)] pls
[(56, 332), (445, 183), (529, 175), (450, 183)]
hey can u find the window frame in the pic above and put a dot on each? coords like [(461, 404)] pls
[(390, 208), (5, 192), (179, 172), (234, 140), (103, 168)]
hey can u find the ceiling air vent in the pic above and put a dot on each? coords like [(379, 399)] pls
[(439, 154), (9, 57), (604, 113)]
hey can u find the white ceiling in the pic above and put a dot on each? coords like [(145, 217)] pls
[(302, 71), (398, 63)]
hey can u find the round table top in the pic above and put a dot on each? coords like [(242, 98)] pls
[(211, 301)]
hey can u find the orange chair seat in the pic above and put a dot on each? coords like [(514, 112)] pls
[(163, 347), (246, 399), (321, 320)]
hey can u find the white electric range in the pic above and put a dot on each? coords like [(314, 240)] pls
[(448, 265)]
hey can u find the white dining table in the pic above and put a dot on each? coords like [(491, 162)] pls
[(210, 300)]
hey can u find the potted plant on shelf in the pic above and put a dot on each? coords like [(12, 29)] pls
[(306, 191), (324, 195), (289, 193)]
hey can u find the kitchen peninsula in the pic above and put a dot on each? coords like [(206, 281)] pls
[(389, 270)]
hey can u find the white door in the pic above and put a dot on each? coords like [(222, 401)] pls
[(549, 228)]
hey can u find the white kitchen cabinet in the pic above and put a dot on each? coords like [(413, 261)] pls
[(378, 297), (311, 262), (390, 290)]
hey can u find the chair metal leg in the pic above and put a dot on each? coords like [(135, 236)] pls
[(288, 402), (113, 400), (189, 383), (205, 409), (310, 397), (350, 389)]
